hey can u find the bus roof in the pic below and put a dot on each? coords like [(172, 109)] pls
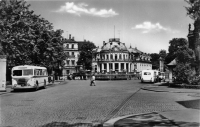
[(27, 67)]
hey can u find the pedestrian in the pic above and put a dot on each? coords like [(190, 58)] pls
[(92, 80)]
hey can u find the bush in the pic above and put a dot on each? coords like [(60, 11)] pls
[(183, 73), (195, 80)]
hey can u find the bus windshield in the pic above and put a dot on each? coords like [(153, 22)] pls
[(26, 72)]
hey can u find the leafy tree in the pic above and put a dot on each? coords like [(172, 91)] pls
[(85, 58), (185, 58), (155, 60), (27, 38), (175, 43), (194, 9)]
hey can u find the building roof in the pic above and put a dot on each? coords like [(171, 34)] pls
[(172, 63), (114, 46)]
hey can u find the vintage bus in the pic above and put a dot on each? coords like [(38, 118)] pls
[(26, 76)]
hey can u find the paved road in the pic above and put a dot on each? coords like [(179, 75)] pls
[(76, 101)]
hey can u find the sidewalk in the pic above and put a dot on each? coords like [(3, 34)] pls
[(160, 87), (189, 117)]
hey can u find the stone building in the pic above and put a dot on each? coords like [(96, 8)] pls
[(114, 57), (194, 41), (72, 49)]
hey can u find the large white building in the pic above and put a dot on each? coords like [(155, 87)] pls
[(114, 56)]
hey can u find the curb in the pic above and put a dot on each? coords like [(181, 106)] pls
[(149, 89)]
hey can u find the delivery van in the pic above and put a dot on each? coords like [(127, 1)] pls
[(148, 76)]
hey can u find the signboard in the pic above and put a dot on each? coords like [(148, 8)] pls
[(2, 73)]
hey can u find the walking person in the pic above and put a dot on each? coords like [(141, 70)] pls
[(92, 83)]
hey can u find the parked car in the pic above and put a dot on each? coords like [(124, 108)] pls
[(162, 76), (78, 76)]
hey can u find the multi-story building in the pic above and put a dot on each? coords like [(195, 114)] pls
[(72, 49), (114, 56)]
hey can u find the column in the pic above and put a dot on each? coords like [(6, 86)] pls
[(98, 67), (107, 67), (129, 67), (125, 66), (113, 66), (119, 67), (102, 66)]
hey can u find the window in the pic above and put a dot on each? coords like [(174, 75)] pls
[(37, 72), (67, 53), (147, 73), (67, 46), (28, 72), (111, 56), (73, 53), (44, 72), (72, 46), (67, 71), (73, 62), (120, 56), (67, 62), (17, 73)]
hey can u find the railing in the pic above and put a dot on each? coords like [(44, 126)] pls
[(113, 76), (112, 60)]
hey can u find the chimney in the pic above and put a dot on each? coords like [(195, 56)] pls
[(73, 38), (69, 36)]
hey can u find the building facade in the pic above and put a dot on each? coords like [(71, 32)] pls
[(114, 57), (71, 49)]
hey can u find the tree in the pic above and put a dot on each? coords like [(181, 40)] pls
[(155, 60), (175, 43), (27, 38), (185, 57), (85, 58), (194, 9)]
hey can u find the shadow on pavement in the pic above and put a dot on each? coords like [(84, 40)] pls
[(65, 124), (194, 104), (152, 120)]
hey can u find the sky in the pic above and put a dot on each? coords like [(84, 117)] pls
[(148, 25)]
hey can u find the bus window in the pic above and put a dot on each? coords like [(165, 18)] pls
[(17, 73), (44, 72), (28, 72), (37, 72)]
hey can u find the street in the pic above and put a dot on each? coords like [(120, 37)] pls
[(76, 102)]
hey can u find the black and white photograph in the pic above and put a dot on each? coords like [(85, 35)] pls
[(99, 63)]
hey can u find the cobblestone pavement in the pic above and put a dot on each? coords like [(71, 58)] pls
[(77, 102)]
